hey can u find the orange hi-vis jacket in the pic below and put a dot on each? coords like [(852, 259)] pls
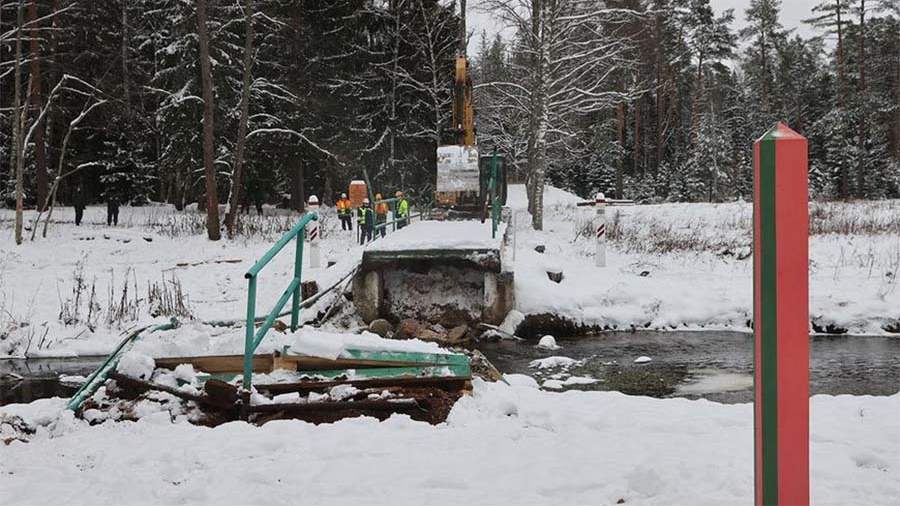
[(381, 208), (343, 207)]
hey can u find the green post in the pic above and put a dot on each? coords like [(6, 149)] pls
[(298, 266), (248, 335), (494, 208)]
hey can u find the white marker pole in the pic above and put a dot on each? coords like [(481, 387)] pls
[(312, 234), (600, 202)]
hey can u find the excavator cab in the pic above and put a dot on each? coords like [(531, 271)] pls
[(462, 175)]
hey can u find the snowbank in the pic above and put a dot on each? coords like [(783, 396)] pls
[(686, 266), (503, 445), (430, 235), (333, 345)]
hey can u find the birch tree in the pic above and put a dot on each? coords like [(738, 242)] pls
[(568, 58)]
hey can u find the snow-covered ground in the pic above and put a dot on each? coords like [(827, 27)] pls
[(686, 266), (506, 443), (38, 279), (503, 445), (669, 266)]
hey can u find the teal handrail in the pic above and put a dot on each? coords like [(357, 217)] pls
[(495, 199), (253, 338), (392, 203)]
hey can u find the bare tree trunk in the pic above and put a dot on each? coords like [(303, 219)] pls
[(864, 109), (237, 175), (17, 123), (40, 154), (212, 199), (297, 186), (638, 151), (126, 86), (620, 138), (463, 36)]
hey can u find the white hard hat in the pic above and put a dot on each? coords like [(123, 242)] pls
[(343, 195), (313, 199)]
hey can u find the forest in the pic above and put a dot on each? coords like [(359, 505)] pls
[(267, 101)]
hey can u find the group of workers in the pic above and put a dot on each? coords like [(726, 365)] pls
[(371, 222)]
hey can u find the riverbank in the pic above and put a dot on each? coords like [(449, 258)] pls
[(669, 267), (504, 444)]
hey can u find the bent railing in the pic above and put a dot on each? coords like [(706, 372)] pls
[(255, 336)]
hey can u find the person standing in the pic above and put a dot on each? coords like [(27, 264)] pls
[(78, 202), (381, 210), (402, 210), (344, 210), (365, 221), (112, 209)]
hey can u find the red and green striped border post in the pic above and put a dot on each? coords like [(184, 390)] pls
[(781, 318)]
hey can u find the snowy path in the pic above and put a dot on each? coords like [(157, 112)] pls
[(505, 445)]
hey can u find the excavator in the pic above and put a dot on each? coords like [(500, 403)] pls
[(463, 177)]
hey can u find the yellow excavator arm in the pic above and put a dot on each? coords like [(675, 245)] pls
[(463, 110)]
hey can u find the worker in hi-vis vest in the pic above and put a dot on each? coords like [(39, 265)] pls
[(381, 212), (365, 221), (344, 210), (402, 210)]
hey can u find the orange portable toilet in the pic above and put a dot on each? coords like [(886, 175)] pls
[(358, 192)]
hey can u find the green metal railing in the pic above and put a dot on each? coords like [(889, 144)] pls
[(98, 377), (255, 336), (392, 205), (494, 196)]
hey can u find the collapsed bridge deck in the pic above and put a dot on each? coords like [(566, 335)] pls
[(431, 268)]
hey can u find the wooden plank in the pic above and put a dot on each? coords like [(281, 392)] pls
[(451, 384), (217, 364), (442, 371)]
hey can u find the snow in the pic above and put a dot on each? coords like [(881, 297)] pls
[(684, 266), (643, 359), (551, 362), (136, 365), (332, 345), (548, 342), (431, 235), (37, 276), (502, 445)]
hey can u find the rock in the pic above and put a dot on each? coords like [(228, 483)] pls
[(415, 329), (642, 359), (483, 368), (308, 289), (279, 326), (408, 328), (457, 334), (548, 342), (331, 263), (453, 318), (555, 276), (644, 274), (148, 238), (381, 327), (540, 248)]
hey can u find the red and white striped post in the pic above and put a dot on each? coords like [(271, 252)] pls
[(312, 234), (781, 318), (600, 203)]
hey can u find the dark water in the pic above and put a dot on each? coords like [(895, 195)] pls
[(713, 365), (24, 380)]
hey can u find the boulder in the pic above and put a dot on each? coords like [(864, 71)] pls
[(457, 334), (555, 276), (381, 327), (453, 318), (408, 328)]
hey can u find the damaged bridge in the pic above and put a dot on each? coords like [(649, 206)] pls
[(433, 271)]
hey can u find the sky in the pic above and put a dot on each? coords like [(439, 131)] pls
[(793, 12)]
